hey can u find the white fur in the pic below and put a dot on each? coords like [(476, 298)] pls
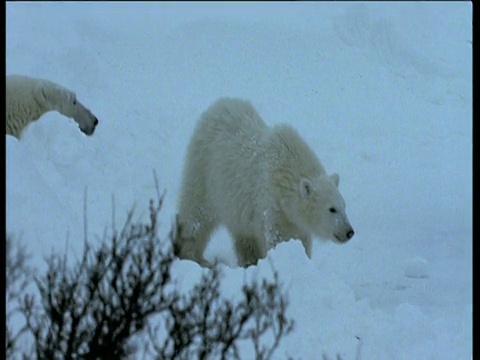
[(264, 184), (27, 99)]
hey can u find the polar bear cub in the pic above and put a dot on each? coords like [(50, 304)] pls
[(27, 99), (264, 184)]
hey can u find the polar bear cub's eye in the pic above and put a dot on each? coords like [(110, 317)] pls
[(332, 210)]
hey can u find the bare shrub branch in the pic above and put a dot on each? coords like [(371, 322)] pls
[(203, 325), (96, 308), (92, 310), (17, 277)]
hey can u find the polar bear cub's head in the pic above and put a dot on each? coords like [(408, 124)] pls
[(320, 208), (309, 198), (65, 102)]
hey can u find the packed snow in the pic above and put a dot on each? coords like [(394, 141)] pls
[(381, 91)]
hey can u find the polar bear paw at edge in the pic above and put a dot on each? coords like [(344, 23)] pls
[(264, 184), (28, 98)]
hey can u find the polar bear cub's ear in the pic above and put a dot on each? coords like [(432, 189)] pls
[(335, 178), (306, 188)]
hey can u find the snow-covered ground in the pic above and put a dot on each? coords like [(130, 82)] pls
[(381, 91)]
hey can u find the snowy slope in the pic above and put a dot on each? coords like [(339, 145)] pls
[(381, 91)]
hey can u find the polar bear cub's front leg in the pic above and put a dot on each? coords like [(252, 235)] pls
[(249, 250)]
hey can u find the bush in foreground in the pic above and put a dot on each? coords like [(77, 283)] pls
[(97, 308)]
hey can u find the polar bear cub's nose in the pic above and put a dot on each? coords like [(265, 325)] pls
[(350, 234)]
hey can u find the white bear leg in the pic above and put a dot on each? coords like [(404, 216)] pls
[(196, 215), (193, 239), (247, 250), (307, 244)]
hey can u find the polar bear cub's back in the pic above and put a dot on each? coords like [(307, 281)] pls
[(235, 169), (231, 121)]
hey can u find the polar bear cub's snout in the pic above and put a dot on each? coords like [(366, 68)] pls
[(344, 237)]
